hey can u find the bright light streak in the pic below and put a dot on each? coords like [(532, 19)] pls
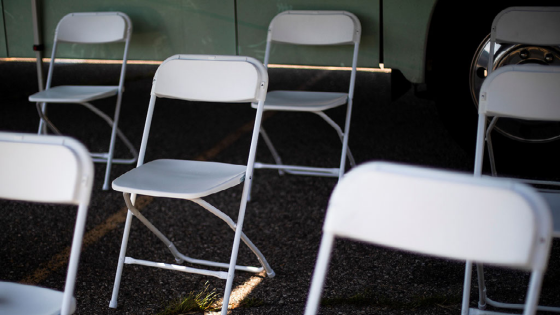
[(381, 68)]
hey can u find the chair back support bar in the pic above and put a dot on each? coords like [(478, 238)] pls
[(528, 25), (44, 169), (434, 213), (93, 28), (211, 79), (522, 91), (315, 28)]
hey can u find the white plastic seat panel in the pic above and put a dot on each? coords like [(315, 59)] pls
[(21, 299), (180, 179), (303, 101), (74, 94)]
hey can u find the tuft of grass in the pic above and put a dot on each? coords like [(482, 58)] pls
[(193, 302)]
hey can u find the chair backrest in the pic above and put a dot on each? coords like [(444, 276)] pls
[(93, 27), (433, 212), (439, 213), (315, 28), (51, 169), (522, 91), (44, 169), (211, 78), (525, 25)]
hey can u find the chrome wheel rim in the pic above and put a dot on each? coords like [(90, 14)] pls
[(508, 54)]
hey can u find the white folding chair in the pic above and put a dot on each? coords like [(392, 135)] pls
[(521, 25), (89, 28), (527, 92), (433, 212), (49, 169), (197, 78), (320, 28)]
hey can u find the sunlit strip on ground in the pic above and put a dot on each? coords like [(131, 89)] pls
[(381, 68), (240, 293)]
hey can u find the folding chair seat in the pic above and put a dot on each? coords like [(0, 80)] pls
[(208, 79), (89, 28), (48, 169), (318, 28), (432, 212), (525, 91)]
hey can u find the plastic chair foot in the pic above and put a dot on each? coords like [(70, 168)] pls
[(271, 274), (106, 187), (113, 304)]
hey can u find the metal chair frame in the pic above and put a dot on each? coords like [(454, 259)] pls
[(90, 28), (314, 28), (196, 78)]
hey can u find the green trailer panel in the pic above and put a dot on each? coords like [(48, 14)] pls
[(254, 16), (3, 45), (18, 28), (405, 32), (160, 29)]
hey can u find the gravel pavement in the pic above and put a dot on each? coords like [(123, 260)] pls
[(284, 219)]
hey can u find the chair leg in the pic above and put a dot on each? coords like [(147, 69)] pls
[(272, 149), (112, 143), (484, 299), (42, 109), (235, 249), (274, 153), (120, 265), (45, 123), (481, 287), (466, 288), (108, 158), (244, 237), (490, 146), (180, 258), (344, 139), (321, 268), (74, 260)]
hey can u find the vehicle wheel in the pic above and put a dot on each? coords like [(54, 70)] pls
[(455, 71)]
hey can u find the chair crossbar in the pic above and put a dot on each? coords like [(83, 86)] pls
[(301, 170), (102, 157), (521, 306), (217, 274), (180, 258), (476, 311)]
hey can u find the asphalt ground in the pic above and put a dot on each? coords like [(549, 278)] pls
[(284, 219)]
